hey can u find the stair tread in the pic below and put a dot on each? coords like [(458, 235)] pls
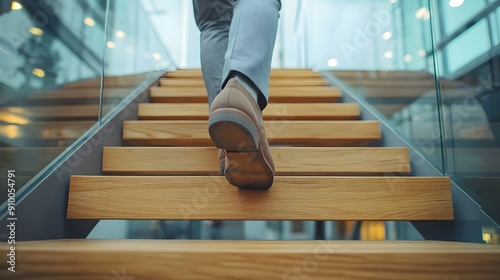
[(209, 259), (280, 111), (275, 73), (180, 82), (283, 94), (290, 198), (288, 161), (301, 133), (296, 246)]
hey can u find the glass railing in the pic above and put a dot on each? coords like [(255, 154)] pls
[(469, 55), (430, 71), (134, 52), (66, 67)]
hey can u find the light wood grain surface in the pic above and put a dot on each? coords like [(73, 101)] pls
[(288, 161), (310, 82), (290, 73), (300, 133), (250, 260), (290, 198), (280, 111), (276, 95)]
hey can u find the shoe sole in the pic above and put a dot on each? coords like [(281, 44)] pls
[(235, 132)]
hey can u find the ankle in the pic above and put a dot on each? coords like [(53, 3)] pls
[(249, 85)]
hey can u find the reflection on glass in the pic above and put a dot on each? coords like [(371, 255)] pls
[(456, 126), (125, 67), (468, 46), (40, 114), (50, 84), (455, 13)]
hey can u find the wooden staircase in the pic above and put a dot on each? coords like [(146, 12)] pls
[(169, 170)]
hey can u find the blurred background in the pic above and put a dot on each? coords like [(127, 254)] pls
[(428, 69)]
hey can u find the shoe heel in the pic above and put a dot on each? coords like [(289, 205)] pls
[(233, 130), (248, 170)]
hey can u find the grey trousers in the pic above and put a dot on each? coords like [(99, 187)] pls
[(237, 36)]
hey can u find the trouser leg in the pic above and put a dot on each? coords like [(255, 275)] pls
[(213, 19), (252, 36)]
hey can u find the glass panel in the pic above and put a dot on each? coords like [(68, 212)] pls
[(44, 51), (468, 46), (455, 13), (495, 27), (134, 57), (470, 109), (134, 53), (473, 135), (384, 56)]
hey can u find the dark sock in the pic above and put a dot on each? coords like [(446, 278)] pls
[(249, 85)]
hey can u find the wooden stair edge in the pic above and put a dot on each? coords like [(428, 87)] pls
[(276, 95), (290, 111), (213, 198), (204, 259), (275, 73), (286, 132), (288, 161)]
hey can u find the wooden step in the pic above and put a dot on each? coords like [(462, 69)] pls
[(290, 198), (249, 260), (288, 161), (276, 95), (166, 82), (280, 111), (300, 133), (291, 73)]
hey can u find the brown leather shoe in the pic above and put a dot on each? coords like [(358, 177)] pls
[(236, 125)]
